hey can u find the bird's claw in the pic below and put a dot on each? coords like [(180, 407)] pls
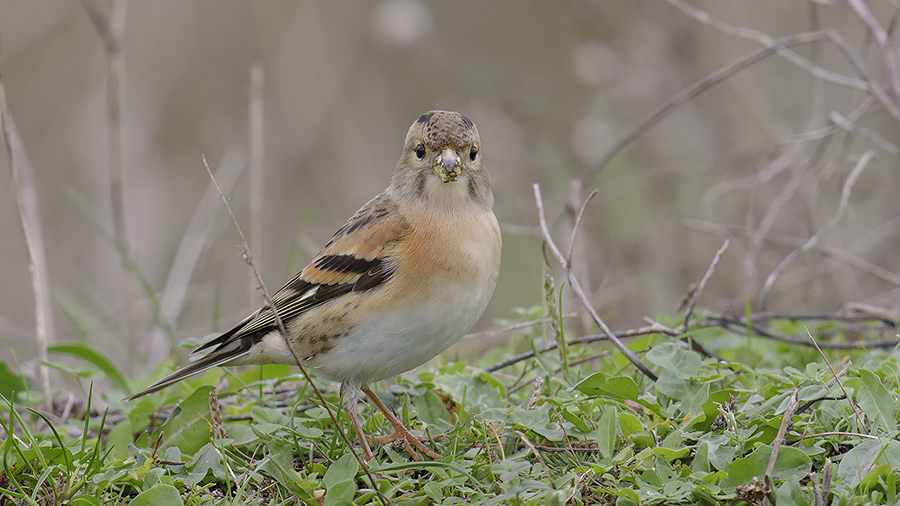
[(408, 440)]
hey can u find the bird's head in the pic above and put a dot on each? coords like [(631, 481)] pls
[(442, 160)]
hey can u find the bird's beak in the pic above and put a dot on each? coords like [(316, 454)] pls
[(447, 165)]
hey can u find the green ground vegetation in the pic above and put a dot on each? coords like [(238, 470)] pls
[(569, 425)]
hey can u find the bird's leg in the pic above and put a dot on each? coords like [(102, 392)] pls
[(401, 433), (350, 397)]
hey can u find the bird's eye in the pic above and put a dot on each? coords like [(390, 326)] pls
[(420, 151), (473, 153)]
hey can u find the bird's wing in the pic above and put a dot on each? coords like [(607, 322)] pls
[(357, 258)]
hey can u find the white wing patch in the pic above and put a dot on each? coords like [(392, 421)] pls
[(309, 293)]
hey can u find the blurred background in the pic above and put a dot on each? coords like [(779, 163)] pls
[(552, 86)]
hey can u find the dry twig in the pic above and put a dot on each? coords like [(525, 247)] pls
[(112, 29), (268, 299), (786, 422), (576, 287), (703, 281), (257, 167), (515, 326), (704, 84), (889, 59), (539, 458), (851, 126), (204, 224), (767, 40), (740, 326), (829, 251), (837, 380), (655, 328), (812, 241), (25, 195)]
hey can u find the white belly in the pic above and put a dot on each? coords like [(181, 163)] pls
[(387, 347)]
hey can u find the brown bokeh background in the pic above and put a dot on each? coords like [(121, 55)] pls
[(551, 86)]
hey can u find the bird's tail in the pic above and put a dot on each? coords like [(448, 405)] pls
[(226, 352)]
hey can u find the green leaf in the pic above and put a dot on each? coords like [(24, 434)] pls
[(280, 465), (120, 436), (207, 459), (537, 421), (672, 447), (694, 402), (152, 477), (711, 406), (878, 474), (721, 451), (477, 391), (670, 454), (264, 415), (598, 385), (677, 360), (530, 418), (340, 480), (576, 419), (700, 465), (790, 462), (677, 389), (99, 361), (606, 432), (858, 462), (340, 493), (629, 424), (876, 401), (9, 382), (431, 410), (83, 500), (159, 495), (342, 469), (790, 493), (187, 426)]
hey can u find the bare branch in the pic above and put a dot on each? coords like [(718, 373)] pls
[(577, 223), (767, 40), (257, 166), (829, 251), (26, 198), (539, 458), (851, 126), (205, 222), (699, 87), (786, 421), (703, 281), (838, 380), (845, 198), (884, 43), (268, 299), (655, 328), (890, 100), (576, 287), (112, 30), (829, 130), (581, 264), (740, 326), (509, 328)]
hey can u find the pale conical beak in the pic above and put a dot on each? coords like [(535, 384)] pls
[(447, 165)]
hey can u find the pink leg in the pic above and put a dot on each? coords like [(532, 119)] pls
[(401, 433)]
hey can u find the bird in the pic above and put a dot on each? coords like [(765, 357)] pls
[(401, 281)]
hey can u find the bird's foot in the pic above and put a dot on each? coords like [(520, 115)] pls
[(401, 433), (408, 440)]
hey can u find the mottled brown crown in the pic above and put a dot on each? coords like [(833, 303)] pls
[(447, 128)]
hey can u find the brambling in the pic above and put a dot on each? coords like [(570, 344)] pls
[(406, 277)]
